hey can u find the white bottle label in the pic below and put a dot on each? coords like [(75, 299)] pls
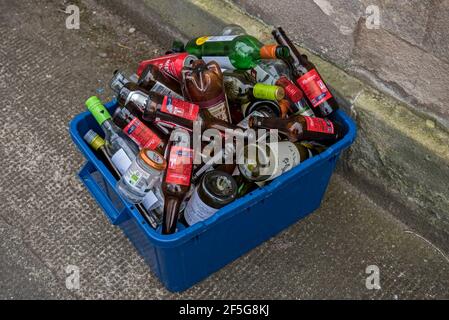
[(121, 161), (287, 157), (150, 201), (223, 62), (221, 38), (197, 211)]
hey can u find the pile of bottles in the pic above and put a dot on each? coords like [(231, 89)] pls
[(164, 141)]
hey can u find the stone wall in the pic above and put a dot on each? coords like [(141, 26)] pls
[(407, 56)]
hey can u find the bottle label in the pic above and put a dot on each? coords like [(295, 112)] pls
[(197, 211), (180, 108), (142, 135), (179, 170), (320, 125), (165, 91), (121, 161), (287, 156), (218, 107), (224, 62), (220, 38), (137, 179), (293, 92), (150, 201), (314, 88)]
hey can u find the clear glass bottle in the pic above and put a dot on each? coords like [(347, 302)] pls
[(119, 146), (269, 71), (233, 30), (145, 171)]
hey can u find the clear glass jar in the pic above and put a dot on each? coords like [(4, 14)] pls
[(141, 176)]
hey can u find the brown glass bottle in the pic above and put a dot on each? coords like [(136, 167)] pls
[(203, 84), (177, 178), (298, 128), (308, 78), (145, 136), (153, 80)]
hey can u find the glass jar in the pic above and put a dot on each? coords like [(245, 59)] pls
[(141, 176)]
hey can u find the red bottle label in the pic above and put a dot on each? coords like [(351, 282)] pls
[(180, 166), (314, 88), (293, 92), (180, 108), (142, 135), (320, 125), (170, 65)]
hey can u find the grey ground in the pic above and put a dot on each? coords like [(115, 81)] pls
[(49, 221)]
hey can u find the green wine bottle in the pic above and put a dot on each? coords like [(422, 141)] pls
[(236, 51)]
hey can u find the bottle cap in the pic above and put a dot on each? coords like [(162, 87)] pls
[(268, 92), (153, 159), (219, 186), (274, 51), (94, 140), (97, 109)]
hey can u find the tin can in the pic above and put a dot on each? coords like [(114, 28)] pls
[(170, 65)]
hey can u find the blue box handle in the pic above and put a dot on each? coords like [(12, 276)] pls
[(114, 215)]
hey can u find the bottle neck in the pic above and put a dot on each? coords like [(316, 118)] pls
[(171, 211)]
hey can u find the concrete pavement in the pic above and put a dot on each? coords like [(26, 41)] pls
[(48, 221)]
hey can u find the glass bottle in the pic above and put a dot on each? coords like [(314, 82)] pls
[(153, 80), (298, 104), (119, 146), (298, 128), (269, 71), (177, 178), (308, 78), (234, 52), (215, 190), (241, 89), (202, 84), (141, 176), (265, 162)]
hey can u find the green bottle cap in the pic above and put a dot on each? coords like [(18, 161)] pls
[(97, 109), (94, 140), (268, 92)]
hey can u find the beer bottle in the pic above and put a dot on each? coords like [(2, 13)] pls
[(268, 161), (176, 47), (240, 89), (298, 128), (215, 190), (119, 146), (153, 80), (234, 52), (202, 84), (177, 178), (139, 132), (155, 108), (308, 78), (298, 104)]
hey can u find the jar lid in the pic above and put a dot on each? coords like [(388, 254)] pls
[(153, 159)]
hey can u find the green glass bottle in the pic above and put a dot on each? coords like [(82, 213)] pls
[(235, 51)]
